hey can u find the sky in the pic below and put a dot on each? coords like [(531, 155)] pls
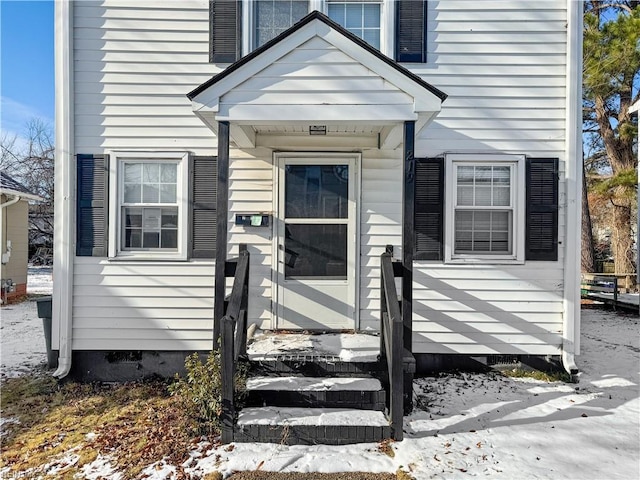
[(26, 63)]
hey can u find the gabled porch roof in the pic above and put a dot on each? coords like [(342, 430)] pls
[(316, 73)]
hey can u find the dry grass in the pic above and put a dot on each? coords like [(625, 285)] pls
[(132, 424), (537, 375)]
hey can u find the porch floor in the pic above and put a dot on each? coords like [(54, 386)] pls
[(340, 347)]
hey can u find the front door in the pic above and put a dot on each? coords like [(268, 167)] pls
[(316, 242)]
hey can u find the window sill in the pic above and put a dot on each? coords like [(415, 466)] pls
[(484, 261), (148, 258)]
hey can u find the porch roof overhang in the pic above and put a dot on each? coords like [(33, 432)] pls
[(316, 73)]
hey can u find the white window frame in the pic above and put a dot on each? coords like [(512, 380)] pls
[(517, 164), (387, 22), (116, 192)]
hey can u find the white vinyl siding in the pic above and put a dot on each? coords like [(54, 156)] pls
[(502, 65), (134, 64), (142, 305)]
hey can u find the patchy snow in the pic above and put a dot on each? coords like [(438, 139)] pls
[(22, 344), (317, 384), (310, 416), (347, 347), (465, 425)]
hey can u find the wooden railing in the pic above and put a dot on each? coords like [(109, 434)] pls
[(233, 337), (392, 342)]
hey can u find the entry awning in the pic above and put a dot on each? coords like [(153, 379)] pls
[(316, 77)]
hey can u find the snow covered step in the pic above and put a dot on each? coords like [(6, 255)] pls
[(294, 426), (353, 392), (313, 383)]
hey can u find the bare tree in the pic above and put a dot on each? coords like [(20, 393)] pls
[(30, 160)]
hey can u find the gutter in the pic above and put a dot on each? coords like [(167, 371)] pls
[(571, 307), (64, 204)]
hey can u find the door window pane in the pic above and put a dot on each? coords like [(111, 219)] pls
[(315, 251), (316, 191)]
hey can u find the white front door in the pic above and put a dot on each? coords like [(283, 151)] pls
[(316, 241)]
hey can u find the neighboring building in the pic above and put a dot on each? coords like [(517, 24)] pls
[(451, 133), (14, 237)]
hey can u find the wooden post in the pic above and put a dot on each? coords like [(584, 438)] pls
[(227, 366), (222, 206), (408, 230)]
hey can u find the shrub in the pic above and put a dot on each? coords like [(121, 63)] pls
[(201, 389)]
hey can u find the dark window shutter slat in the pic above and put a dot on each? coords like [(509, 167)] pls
[(92, 219), (429, 208), (542, 209), (225, 20), (411, 31), (203, 215)]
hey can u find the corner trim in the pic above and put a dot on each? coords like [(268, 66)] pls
[(64, 205)]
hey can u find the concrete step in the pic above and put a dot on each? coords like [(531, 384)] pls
[(353, 392), (309, 426)]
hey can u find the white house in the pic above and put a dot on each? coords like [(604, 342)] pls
[(318, 133)]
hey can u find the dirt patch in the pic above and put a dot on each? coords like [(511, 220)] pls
[(312, 476)]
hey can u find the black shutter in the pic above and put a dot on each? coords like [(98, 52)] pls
[(411, 31), (542, 209), (225, 39), (92, 219), (203, 184), (429, 208)]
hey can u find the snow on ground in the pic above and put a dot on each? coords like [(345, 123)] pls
[(466, 425), (22, 345)]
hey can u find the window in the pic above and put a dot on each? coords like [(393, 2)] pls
[(148, 205), (485, 208), (239, 27), (360, 18), (272, 17)]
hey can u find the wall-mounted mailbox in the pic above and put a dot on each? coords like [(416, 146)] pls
[(252, 219)]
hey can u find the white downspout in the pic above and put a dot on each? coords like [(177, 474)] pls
[(64, 205), (573, 167)]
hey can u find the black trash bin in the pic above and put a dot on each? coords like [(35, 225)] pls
[(44, 312)]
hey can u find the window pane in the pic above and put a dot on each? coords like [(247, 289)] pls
[(151, 218), (169, 173), (316, 251), (168, 193), (133, 238), (465, 175), (371, 15), (151, 239), (372, 37), (133, 217), (169, 218), (150, 173), (501, 196), (353, 16), (169, 239), (483, 196), (132, 193), (483, 175), (316, 191), (150, 193), (133, 173), (336, 12)]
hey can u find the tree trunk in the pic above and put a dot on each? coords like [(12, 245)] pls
[(587, 260), (622, 238)]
